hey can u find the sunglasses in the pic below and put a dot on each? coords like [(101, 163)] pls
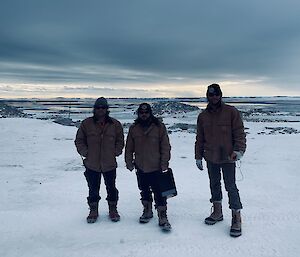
[(100, 107), (143, 112), (213, 94)]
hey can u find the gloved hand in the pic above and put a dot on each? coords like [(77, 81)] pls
[(164, 168), (130, 167), (199, 164), (236, 155)]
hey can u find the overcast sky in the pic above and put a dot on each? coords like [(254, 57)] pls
[(149, 47)]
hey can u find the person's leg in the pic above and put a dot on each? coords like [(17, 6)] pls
[(228, 170), (146, 196), (214, 173), (160, 201), (158, 198), (234, 198), (112, 194), (144, 185), (110, 183), (93, 179)]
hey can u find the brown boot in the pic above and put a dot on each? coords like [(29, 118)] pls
[(113, 212), (236, 224), (93, 215), (162, 218), (216, 214), (147, 212)]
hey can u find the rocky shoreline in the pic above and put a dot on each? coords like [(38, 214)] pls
[(8, 111), (163, 109)]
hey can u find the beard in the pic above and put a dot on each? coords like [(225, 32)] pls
[(145, 123), (215, 104)]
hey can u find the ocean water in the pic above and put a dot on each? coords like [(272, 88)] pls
[(275, 108)]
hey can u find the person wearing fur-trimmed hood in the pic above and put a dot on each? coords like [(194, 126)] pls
[(148, 150)]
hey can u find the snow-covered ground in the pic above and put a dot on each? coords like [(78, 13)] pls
[(43, 199)]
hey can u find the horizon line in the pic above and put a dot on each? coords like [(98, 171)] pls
[(181, 97)]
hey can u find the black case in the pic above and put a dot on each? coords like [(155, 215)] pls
[(167, 184)]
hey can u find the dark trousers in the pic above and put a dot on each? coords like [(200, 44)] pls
[(147, 183), (228, 171), (93, 179)]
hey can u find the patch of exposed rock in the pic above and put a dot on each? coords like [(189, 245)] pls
[(171, 107), (66, 122), (7, 111), (278, 130), (179, 127)]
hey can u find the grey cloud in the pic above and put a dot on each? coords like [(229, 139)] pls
[(158, 39)]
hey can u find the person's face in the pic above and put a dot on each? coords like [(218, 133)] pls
[(100, 111), (144, 114), (214, 98)]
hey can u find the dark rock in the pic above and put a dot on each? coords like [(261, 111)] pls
[(191, 128), (66, 122), (172, 107), (279, 130), (7, 111)]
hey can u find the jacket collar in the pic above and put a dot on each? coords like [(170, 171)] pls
[(146, 130), (107, 119), (217, 109)]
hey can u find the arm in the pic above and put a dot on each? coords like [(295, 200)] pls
[(199, 144), (165, 148), (129, 149), (81, 141), (119, 139), (238, 133)]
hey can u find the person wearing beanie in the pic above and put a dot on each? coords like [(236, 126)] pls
[(221, 141), (148, 151), (99, 140)]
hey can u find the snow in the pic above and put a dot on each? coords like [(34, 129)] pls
[(43, 199)]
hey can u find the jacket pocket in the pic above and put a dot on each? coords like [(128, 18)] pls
[(224, 127), (110, 134), (207, 129)]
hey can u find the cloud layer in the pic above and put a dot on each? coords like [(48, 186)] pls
[(113, 43)]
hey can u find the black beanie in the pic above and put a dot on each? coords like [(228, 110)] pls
[(214, 89), (101, 101), (144, 107)]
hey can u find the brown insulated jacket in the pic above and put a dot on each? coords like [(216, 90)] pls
[(148, 149), (100, 144), (219, 133)]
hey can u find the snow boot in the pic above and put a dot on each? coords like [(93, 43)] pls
[(216, 214), (113, 212), (93, 215), (163, 219), (236, 224), (147, 212)]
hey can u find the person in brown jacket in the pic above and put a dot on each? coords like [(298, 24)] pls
[(99, 140), (148, 150), (221, 141)]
